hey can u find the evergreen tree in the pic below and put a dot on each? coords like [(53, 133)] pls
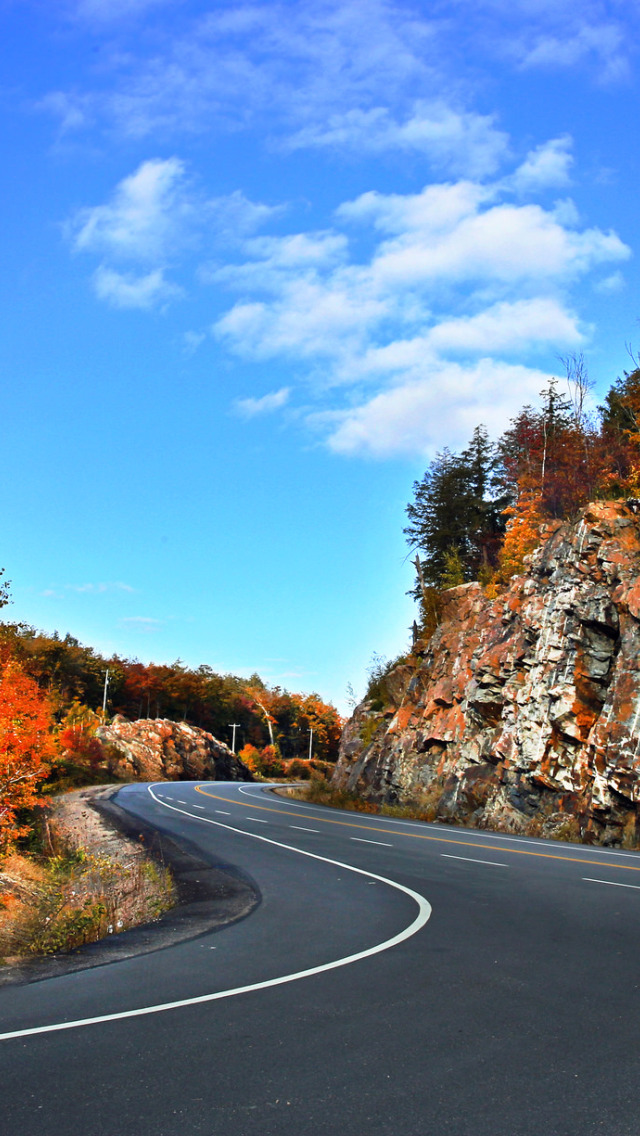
[(456, 514)]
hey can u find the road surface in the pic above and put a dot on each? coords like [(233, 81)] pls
[(395, 978)]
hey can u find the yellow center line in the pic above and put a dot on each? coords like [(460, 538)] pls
[(424, 836)]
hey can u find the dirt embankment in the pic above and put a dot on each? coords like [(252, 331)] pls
[(92, 881), (107, 873)]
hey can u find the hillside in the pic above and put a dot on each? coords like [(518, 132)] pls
[(521, 712)]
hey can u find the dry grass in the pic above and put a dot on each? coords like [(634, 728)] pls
[(49, 906), (320, 792)]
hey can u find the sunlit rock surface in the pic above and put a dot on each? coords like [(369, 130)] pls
[(522, 713), (156, 749)]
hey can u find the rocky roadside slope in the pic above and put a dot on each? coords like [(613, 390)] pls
[(157, 749), (522, 713)]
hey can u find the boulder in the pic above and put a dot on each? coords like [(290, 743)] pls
[(156, 749)]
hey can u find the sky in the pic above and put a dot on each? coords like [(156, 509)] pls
[(260, 263)]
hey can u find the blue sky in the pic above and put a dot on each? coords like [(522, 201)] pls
[(260, 262)]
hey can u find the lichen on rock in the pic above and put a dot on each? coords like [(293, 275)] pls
[(523, 712)]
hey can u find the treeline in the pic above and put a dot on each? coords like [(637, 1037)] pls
[(51, 703), (476, 514), (73, 676)]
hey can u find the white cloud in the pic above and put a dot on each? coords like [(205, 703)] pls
[(192, 340), (142, 623), (154, 216), (252, 407), (601, 44), (459, 142), (613, 283), (507, 326), (454, 273), (99, 589), (73, 111), (127, 290), (147, 213), (447, 402), (548, 166), (449, 238), (111, 11)]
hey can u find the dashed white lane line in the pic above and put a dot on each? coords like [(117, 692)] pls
[(181, 802), (257, 820), (611, 883), (470, 860), (433, 827), (223, 812), (198, 806), (424, 912), (301, 828), (361, 840)]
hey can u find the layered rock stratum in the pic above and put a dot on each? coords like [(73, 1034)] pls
[(522, 713), (156, 749)]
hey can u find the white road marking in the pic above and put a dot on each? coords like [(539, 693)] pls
[(301, 828), (257, 820), (198, 806), (424, 912), (442, 827), (361, 840), (612, 883), (181, 802), (493, 863), (222, 811)]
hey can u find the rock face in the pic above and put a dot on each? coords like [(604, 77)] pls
[(522, 713), (155, 749)]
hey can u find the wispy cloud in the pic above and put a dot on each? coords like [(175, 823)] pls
[(453, 140), (149, 214), (252, 407), (100, 589), (152, 219), (131, 290), (142, 623), (371, 76), (546, 167)]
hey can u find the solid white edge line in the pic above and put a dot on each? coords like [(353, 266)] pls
[(611, 883), (470, 860), (424, 912)]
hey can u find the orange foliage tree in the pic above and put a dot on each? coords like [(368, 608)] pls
[(27, 747), (521, 537)]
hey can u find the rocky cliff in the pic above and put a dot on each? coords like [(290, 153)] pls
[(155, 749), (523, 712)]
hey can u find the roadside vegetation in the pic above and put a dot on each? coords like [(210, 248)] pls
[(50, 904)]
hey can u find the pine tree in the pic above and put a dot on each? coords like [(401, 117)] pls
[(457, 506)]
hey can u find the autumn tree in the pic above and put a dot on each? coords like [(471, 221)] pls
[(26, 746)]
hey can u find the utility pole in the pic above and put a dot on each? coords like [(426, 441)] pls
[(310, 744), (104, 696), (234, 726)]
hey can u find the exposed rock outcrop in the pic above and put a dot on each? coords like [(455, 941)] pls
[(522, 713), (156, 749)]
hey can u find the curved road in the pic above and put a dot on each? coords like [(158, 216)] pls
[(396, 978)]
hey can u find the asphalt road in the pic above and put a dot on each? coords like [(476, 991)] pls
[(396, 978)]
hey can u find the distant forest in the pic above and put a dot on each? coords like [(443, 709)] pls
[(73, 677)]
